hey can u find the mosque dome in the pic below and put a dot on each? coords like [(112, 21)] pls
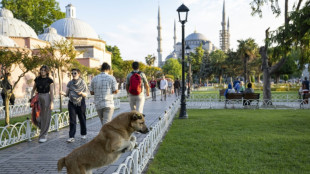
[(7, 42), (50, 35), (73, 27), (196, 37), (9, 26)]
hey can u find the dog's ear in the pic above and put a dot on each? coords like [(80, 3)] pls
[(143, 115), (136, 117)]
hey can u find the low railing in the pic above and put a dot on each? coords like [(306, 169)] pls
[(22, 131), (138, 159), (211, 103), (274, 96), (24, 108)]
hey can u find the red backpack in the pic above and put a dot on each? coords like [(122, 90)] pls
[(135, 83)]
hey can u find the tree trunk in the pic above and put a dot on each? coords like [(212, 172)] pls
[(258, 78), (267, 78), (277, 78), (245, 69), (60, 88), (7, 107), (220, 79)]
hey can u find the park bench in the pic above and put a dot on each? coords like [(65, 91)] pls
[(246, 99), (305, 98), (222, 91)]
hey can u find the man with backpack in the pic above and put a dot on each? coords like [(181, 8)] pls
[(136, 84)]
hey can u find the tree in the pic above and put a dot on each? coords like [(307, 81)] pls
[(150, 59), (39, 14), (172, 67), (233, 63), (59, 56), (11, 59), (116, 56), (196, 60), (206, 69), (293, 34), (153, 71), (218, 63), (247, 51)]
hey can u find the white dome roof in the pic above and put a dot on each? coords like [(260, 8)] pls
[(72, 27), (196, 36), (9, 26), (50, 35), (7, 42)]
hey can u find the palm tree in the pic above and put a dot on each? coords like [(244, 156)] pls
[(247, 51)]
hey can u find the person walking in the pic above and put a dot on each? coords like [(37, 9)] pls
[(163, 88), (103, 86), (44, 86), (170, 84), (136, 84), (177, 87), (6, 87), (153, 83), (76, 91)]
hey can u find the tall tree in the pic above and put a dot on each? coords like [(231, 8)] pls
[(206, 69), (11, 59), (218, 63), (116, 56), (293, 34), (39, 14), (59, 56), (195, 58), (150, 59), (247, 51), (172, 67)]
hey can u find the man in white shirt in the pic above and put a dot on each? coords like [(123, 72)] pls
[(163, 88), (103, 86)]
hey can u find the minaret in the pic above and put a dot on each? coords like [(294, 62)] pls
[(175, 37), (228, 35), (70, 11), (224, 33), (159, 50)]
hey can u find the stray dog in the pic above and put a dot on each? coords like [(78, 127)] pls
[(113, 139)]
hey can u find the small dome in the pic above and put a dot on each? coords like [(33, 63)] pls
[(6, 13), (50, 35), (7, 42), (73, 27), (172, 55), (196, 37), (9, 26)]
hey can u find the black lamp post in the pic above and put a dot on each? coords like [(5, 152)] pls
[(183, 10), (187, 50)]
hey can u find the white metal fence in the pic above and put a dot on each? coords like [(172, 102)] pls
[(138, 159), (22, 131)]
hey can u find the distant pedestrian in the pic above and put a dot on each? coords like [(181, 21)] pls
[(249, 89), (103, 86), (136, 85), (153, 83), (44, 86), (229, 90), (76, 91), (6, 88), (305, 84), (170, 85), (163, 88), (177, 87), (242, 87)]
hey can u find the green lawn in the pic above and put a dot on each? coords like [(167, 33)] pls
[(236, 141)]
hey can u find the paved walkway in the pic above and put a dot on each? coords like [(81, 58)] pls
[(33, 157)]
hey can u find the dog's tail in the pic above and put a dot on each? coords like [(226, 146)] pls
[(61, 164)]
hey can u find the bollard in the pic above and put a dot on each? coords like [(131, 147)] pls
[(56, 123)]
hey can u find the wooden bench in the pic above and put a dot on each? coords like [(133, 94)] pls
[(246, 98), (222, 91)]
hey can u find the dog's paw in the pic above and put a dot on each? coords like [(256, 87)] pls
[(133, 139), (131, 146)]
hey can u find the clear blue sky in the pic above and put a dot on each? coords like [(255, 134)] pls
[(131, 25)]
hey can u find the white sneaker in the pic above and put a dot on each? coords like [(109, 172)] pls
[(70, 140), (83, 137), (43, 140)]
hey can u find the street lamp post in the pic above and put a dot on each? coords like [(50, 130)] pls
[(183, 10), (187, 50)]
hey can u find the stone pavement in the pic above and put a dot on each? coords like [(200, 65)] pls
[(33, 157)]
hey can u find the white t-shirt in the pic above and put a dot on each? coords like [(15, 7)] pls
[(163, 84)]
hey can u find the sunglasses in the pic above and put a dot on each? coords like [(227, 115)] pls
[(74, 73)]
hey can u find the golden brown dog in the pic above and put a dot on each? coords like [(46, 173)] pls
[(113, 139)]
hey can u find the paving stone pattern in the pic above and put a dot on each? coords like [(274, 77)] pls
[(33, 157)]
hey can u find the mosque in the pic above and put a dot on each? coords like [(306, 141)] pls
[(15, 33), (194, 40)]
